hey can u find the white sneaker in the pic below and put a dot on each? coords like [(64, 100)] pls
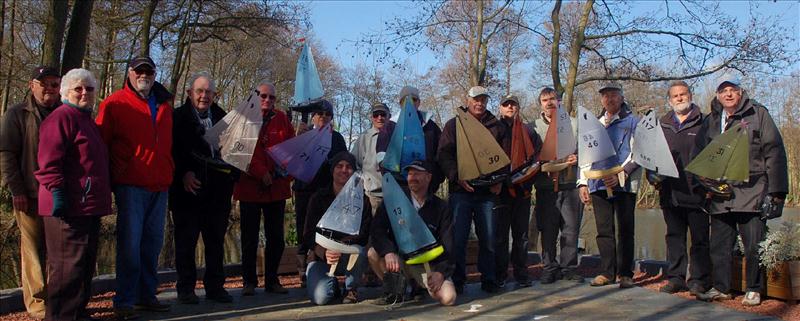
[(751, 298)]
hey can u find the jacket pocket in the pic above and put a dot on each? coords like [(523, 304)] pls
[(87, 188)]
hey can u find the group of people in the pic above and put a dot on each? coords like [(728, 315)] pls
[(61, 166)]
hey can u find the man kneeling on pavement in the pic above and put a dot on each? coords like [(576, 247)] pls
[(438, 218)]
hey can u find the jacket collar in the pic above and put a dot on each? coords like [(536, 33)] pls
[(744, 105), (695, 115), (158, 90)]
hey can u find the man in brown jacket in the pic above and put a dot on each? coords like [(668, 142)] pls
[(19, 142)]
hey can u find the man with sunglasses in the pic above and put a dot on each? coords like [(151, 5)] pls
[(136, 124), (19, 141), (365, 151), (262, 191), (321, 115)]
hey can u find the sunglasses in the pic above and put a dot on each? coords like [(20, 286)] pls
[(81, 90), (508, 104), (324, 113), (148, 72), (378, 114), (264, 96), (52, 84)]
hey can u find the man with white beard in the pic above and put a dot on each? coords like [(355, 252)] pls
[(680, 204), (136, 125)]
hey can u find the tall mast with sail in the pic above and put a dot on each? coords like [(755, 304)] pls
[(479, 155), (342, 219), (524, 164), (559, 142), (595, 148), (407, 143), (308, 90), (303, 155), (725, 159), (650, 149), (236, 134)]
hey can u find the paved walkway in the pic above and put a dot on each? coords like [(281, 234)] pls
[(559, 301)]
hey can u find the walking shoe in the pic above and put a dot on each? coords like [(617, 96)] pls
[(249, 290), (188, 298), (751, 298), (550, 277), (601, 280), (672, 288), (386, 299), (125, 313), (490, 287), (714, 295), (275, 288), (696, 289), (220, 296), (626, 282), (524, 283), (154, 306), (573, 276), (418, 294), (351, 297)]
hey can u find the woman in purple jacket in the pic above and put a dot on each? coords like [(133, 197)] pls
[(74, 193)]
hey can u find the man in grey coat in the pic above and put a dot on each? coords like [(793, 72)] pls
[(751, 202)]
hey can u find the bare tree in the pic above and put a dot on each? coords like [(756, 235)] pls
[(75, 47), (54, 32)]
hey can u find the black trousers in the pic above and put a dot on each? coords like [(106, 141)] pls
[(71, 256), (300, 208), (615, 242), (556, 212), (512, 213), (678, 221), (724, 228), (273, 213)]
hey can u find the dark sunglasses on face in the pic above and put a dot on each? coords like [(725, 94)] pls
[(81, 90), (264, 96), (52, 84), (378, 114), (148, 72)]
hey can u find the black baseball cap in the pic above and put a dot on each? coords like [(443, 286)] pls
[(40, 72), (420, 165), (142, 61)]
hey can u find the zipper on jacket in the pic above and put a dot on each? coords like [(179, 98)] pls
[(86, 189)]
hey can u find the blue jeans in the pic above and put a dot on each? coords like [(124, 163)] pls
[(140, 236), (467, 207), (323, 288)]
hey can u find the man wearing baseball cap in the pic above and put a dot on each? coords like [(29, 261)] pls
[(438, 218), (472, 202), (365, 151), (19, 144), (752, 202), (136, 124)]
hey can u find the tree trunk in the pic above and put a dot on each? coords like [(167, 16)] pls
[(54, 32), (575, 55), (555, 51), (7, 84), (475, 78), (75, 47), (183, 42), (147, 20)]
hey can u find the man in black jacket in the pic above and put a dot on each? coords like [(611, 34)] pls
[(438, 218), (680, 204), (200, 196), (472, 203), (766, 189)]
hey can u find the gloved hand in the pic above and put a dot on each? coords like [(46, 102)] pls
[(59, 202), (772, 207)]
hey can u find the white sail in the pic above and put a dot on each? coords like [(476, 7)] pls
[(566, 138), (593, 141), (236, 134), (650, 149), (344, 214)]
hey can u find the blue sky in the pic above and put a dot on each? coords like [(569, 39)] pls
[(336, 23)]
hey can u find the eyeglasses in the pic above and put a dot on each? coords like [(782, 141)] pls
[(508, 104), (83, 89), (52, 84), (378, 114), (728, 90), (324, 113), (264, 96), (148, 72), (200, 91)]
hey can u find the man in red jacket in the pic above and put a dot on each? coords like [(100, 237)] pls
[(136, 124), (263, 190)]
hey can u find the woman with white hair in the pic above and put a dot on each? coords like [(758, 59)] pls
[(74, 192)]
